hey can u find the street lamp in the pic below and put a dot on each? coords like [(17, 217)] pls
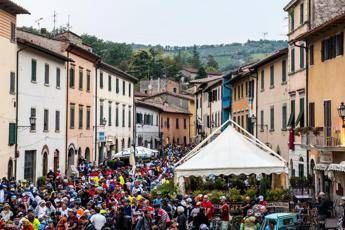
[(32, 121), (103, 122), (341, 112)]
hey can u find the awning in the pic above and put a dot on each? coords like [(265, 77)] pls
[(321, 167), (300, 117), (337, 167), (232, 153)]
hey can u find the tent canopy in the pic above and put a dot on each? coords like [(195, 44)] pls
[(140, 152), (232, 153)]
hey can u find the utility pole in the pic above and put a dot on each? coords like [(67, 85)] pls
[(54, 19)]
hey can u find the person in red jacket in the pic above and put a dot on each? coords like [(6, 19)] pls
[(224, 213), (208, 206)]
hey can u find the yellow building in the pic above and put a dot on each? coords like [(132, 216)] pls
[(8, 17), (324, 137)]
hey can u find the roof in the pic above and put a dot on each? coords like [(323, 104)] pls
[(147, 104), (194, 70), (243, 71), (212, 84), (42, 49), (290, 4), (172, 94), (117, 71), (79, 51), (206, 79), (163, 108), (11, 7), (339, 19), (272, 57)]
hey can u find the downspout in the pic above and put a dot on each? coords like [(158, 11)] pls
[(96, 110), (66, 112), (17, 112), (256, 102), (307, 80)]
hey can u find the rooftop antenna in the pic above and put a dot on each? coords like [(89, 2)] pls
[(54, 16), (38, 22)]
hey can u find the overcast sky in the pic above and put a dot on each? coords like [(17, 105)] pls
[(165, 22)]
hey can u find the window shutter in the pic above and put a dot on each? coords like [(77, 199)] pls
[(341, 43), (12, 134)]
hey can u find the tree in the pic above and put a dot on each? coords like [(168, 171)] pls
[(201, 73), (195, 60), (140, 64), (212, 63)]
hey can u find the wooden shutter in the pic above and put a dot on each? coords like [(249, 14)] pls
[(312, 114), (323, 50), (12, 134)]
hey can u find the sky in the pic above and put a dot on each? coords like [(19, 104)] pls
[(164, 22)]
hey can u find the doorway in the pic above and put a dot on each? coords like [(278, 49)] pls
[(10, 169), (45, 163), (56, 160), (30, 165)]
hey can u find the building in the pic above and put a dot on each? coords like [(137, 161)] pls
[(115, 110), (41, 110), (272, 102), (226, 98), (208, 105), (243, 88), (150, 87), (147, 124), (177, 119), (299, 23), (324, 136), (191, 73), (8, 19)]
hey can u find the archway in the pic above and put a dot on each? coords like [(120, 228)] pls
[(45, 152), (70, 156), (56, 160), (312, 167), (87, 154), (10, 169)]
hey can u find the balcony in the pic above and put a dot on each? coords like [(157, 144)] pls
[(321, 139)]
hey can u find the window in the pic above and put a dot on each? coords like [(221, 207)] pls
[(57, 121), (88, 80), (101, 80), (241, 90), (101, 112), (311, 52), (109, 83), (81, 117), (46, 120), (312, 114), (301, 57), (33, 70), (301, 13), (123, 116), (272, 76), (234, 88), (139, 118), (12, 134), (300, 118), (284, 116), (246, 88), (262, 80), (272, 118), (129, 142), (117, 115), (71, 77), (162, 122), (72, 114), (81, 78), (168, 123), (208, 121), (292, 60), (177, 123), (292, 20), (332, 47), (58, 78), (185, 123), (129, 89), (46, 74), (291, 122), (88, 117), (13, 31), (123, 88), (130, 117), (284, 72), (12, 83), (109, 114), (117, 86), (33, 115)]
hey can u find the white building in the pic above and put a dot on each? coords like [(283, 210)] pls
[(115, 110), (147, 125), (41, 111), (8, 19)]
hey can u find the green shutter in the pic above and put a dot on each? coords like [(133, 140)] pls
[(33, 70), (12, 134)]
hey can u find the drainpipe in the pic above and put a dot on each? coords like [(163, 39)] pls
[(256, 103), (96, 109), (17, 112), (66, 112)]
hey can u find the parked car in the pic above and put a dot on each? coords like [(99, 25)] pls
[(280, 221)]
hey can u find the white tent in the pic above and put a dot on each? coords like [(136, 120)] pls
[(140, 152), (231, 152)]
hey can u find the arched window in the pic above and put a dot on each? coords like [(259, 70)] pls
[(56, 160), (10, 169), (87, 154), (312, 166), (45, 163)]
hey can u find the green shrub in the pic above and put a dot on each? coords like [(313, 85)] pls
[(167, 189), (41, 181), (278, 194), (235, 195), (251, 192)]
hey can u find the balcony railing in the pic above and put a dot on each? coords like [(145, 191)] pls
[(320, 140)]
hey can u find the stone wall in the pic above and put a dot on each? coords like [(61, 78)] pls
[(324, 10)]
